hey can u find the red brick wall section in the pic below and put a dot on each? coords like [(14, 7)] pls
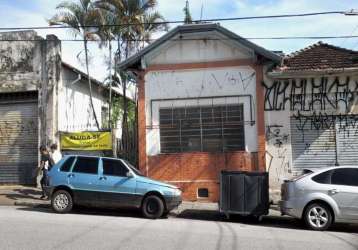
[(260, 118), (191, 171), (141, 124)]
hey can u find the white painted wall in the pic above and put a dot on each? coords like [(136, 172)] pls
[(75, 112), (192, 49), (199, 83)]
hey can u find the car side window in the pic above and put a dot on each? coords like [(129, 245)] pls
[(66, 166), (323, 178), (345, 176), (86, 165), (114, 168)]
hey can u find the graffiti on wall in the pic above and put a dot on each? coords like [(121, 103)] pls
[(346, 124), (278, 154), (275, 136), (310, 94), (321, 105)]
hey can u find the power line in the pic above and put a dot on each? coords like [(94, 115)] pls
[(182, 21), (355, 28), (195, 39)]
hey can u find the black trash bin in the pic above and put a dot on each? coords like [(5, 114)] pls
[(244, 193)]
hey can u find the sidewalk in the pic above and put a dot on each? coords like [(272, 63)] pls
[(30, 196), (21, 196)]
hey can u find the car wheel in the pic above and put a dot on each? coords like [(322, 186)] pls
[(318, 217), (153, 207), (61, 201)]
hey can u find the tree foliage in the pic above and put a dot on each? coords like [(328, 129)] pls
[(187, 15)]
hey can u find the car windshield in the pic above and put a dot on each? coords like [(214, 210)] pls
[(135, 170)]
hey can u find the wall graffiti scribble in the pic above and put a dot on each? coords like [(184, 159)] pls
[(310, 94), (274, 135)]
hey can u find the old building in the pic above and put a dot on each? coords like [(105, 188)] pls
[(40, 96), (201, 106), (311, 111)]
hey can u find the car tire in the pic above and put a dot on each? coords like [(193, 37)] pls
[(318, 217), (62, 202), (152, 207)]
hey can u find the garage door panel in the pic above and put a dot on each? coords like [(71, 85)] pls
[(347, 134), (311, 147), (18, 138)]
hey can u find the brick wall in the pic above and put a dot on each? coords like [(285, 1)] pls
[(191, 171)]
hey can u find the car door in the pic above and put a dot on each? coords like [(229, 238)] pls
[(118, 189), (344, 190), (84, 179)]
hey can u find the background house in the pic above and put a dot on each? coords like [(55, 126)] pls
[(40, 96), (311, 111), (200, 107)]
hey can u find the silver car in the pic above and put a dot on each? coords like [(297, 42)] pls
[(322, 197)]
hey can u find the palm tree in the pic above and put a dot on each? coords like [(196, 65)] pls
[(83, 18), (132, 22), (187, 15)]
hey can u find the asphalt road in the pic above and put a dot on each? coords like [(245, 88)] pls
[(39, 228)]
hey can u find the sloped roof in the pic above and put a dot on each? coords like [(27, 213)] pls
[(318, 57), (193, 28)]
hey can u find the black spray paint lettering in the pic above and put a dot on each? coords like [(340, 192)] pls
[(310, 94), (274, 135)]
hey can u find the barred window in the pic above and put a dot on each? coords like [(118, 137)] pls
[(205, 129)]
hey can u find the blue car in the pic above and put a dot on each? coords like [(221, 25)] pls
[(107, 182)]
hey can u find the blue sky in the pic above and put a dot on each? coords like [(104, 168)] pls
[(35, 13)]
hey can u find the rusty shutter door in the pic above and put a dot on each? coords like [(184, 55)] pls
[(313, 144), (18, 137)]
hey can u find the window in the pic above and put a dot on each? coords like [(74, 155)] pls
[(86, 165), (345, 176), (114, 168), (206, 129), (66, 166), (323, 178)]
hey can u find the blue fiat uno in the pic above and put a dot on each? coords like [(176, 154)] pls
[(108, 182)]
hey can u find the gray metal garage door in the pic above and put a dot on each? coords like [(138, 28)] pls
[(313, 146), (347, 140), (18, 137)]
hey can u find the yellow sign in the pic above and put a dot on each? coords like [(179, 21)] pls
[(87, 141)]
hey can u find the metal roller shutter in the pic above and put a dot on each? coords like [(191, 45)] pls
[(18, 137), (347, 135), (311, 147)]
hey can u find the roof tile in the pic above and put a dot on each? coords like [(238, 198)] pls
[(317, 57)]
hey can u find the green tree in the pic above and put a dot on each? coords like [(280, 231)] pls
[(187, 15), (83, 17), (132, 23)]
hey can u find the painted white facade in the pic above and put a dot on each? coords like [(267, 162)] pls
[(195, 50), (75, 112), (217, 82), (312, 114), (194, 83)]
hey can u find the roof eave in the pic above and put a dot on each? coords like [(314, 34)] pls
[(305, 73), (135, 59)]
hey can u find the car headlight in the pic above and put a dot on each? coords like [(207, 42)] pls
[(177, 192)]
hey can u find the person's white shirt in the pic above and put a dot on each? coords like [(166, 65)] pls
[(56, 156)]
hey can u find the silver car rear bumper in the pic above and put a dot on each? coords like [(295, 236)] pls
[(290, 208)]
